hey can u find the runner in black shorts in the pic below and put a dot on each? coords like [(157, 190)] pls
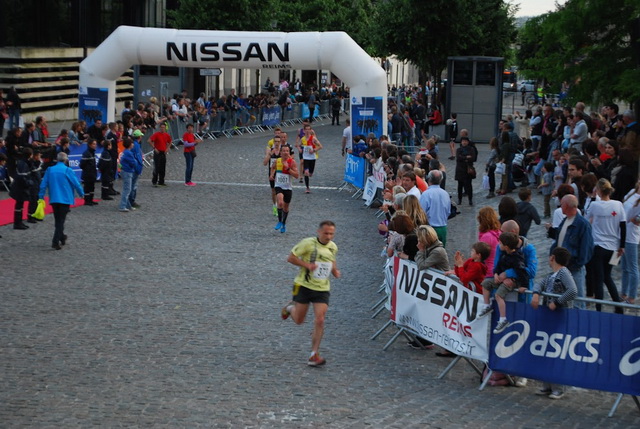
[(316, 257), (310, 147), (272, 153), (299, 136), (282, 170)]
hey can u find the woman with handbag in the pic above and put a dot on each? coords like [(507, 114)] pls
[(466, 155)]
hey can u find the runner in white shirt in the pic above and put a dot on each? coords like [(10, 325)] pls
[(310, 147)]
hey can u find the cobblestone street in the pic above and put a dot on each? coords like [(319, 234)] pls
[(169, 316)]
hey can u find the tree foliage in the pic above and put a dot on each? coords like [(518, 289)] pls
[(350, 16), (426, 33), (592, 45), (237, 15)]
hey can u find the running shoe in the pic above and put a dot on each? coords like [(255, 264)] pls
[(278, 226), (556, 394), (275, 211), (486, 310), (316, 360), (283, 229), (543, 392), (501, 326), (284, 313)]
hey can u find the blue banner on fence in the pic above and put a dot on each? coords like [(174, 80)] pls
[(92, 104), (271, 116), (366, 116), (305, 111), (575, 347), (75, 155), (354, 171)]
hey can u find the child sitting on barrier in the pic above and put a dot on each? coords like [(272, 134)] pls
[(472, 271), (559, 282), (511, 258)]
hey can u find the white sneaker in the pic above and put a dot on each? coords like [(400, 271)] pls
[(556, 394), (521, 382), (501, 326)]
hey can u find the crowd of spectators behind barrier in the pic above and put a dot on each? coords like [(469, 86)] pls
[(583, 163), (554, 152)]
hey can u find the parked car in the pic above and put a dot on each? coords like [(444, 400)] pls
[(530, 85)]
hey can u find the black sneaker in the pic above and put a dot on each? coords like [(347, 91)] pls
[(63, 240)]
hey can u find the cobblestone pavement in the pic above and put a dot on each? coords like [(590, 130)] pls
[(169, 316)]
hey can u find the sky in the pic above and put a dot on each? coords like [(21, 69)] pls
[(535, 7)]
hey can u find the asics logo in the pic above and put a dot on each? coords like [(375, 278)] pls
[(628, 367), (503, 350), (555, 346)]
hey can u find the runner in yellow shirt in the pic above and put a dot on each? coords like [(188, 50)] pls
[(316, 257)]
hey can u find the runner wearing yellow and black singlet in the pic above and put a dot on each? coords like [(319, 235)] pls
[(272, 153), (316, 257)]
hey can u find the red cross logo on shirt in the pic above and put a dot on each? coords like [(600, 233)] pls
[(613, 213)]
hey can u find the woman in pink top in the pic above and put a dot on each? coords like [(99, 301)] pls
[(489, 232)]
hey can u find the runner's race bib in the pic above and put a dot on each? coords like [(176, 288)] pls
[(283, 181), (322, 271), (308, 153)]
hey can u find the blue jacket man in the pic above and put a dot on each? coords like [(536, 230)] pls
[(577, 239), (60, 181)]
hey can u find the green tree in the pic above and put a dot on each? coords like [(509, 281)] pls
[(426, 33), (237, 15), (592, 45), (351, 16)]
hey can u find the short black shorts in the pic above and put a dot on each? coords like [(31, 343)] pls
[(287, 194), (305, 295), (309, 164)]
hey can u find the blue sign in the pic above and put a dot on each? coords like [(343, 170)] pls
[(366, 116), (575, 347), (354, 170), (305, 111), (92, 104), (271, 116)]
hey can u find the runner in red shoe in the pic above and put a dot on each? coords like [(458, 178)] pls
[(316, 257)]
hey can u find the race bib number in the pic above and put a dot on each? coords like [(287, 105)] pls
[(283, 181), (308, 150), (272, 161), (323, 270)]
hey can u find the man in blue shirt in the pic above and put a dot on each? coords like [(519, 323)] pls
[(60, 181), (436, 203)]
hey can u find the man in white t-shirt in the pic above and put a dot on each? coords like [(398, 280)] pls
[(347, 138), (409, 184)]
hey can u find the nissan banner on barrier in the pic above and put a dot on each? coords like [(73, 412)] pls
[(439, 309), (580, 348)]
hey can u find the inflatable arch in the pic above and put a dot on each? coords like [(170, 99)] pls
[(335, 51)]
